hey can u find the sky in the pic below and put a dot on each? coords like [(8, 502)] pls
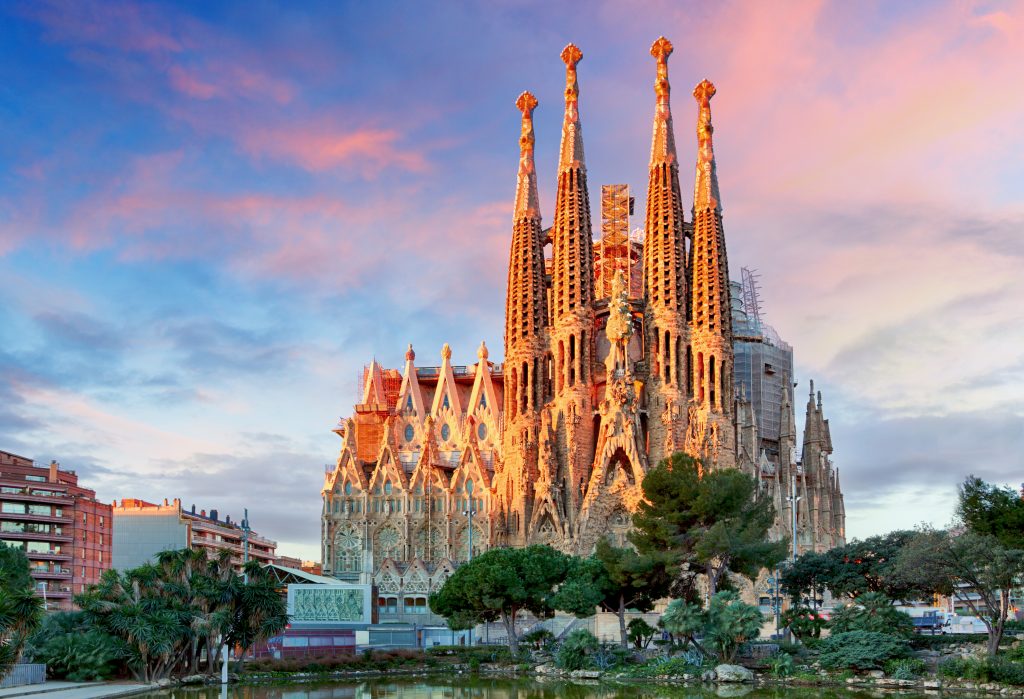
[(212, 215)]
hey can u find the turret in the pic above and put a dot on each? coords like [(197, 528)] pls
[(710, 312), (572, 298), (573, 273), (525, 304), (665, 275)]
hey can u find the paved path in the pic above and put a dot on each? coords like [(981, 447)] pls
[(76, 690)]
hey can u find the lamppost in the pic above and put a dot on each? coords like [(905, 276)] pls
[(793, 499), (469, 513)]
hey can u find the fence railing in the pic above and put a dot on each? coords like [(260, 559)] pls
[(24, 673)]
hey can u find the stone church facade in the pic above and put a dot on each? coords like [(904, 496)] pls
[(442, 462)]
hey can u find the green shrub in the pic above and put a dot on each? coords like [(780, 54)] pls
[(861, 650), (74, 649), (538, 638), (640, 633), (804, 622), (872, 611), (686, 664), (984, 670), (905, 668), (781, 665), (576, 650), (922, 642)]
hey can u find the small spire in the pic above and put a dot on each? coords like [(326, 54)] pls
[(571, 151), (446, 352), (663, 143), (482, 352), (705, 190), (410, 354), (527, 200), (819, 401)]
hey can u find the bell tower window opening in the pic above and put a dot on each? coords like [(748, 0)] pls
[(711, 381), (572, 360)]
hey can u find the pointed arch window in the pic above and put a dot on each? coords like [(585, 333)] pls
[(445, 403)]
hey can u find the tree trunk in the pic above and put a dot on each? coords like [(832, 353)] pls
[(510, 629), (623, 638)]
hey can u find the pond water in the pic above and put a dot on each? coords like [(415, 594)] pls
[(466, 687)]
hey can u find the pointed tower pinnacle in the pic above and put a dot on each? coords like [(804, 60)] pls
[(571, 152), (527, 200), (705, 190), (664, 268), (663, 145), (572, 247)]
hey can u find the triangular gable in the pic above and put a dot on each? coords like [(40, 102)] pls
[(471, 466), (484, 403), (388, 465), (416, 578), (373, 392), (347, 466), (446, 396), (424, 472), (410, 396)]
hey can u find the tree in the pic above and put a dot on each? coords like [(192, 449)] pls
[(725, 625), (975, 568), (171, 612), (872, 611), (807, 576), (869, 565), (20, 608), (615, 579), (730, 623), (804, 622), (715, 521), (500, 583), (641, 633), (992, 510)]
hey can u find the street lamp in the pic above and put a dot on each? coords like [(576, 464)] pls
[(469, 513), (793, 499)]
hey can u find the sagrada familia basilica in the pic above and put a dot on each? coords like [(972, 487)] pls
[(600, 382)]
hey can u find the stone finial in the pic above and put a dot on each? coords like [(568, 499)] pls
[(527, 199), (706, 188), (446, 351), (571, 151), (482, 352), (661, 50), (410, 354)]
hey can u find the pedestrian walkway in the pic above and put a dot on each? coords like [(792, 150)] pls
[(76, 690)]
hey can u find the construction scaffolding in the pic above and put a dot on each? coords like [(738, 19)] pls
[(619, 250)]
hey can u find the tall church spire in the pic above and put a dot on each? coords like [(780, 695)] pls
[(665, 275), (664, 269), (572, 248), (710, 268), (525, 305), (710, 311)]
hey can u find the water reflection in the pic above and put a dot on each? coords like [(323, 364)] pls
[(482, 688)]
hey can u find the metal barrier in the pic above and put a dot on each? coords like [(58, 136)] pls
[(24, 673)]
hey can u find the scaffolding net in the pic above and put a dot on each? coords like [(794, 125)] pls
[(619, 250)]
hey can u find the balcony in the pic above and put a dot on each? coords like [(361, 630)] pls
[(26, 517), (55, 573), (34, 536), (48, 556), (51, 498)]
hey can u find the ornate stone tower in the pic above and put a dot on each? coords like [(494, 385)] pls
[(572, 294), (710, 422), (525, 339), (665, 278)]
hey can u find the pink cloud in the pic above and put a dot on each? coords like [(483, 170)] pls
[(369, 150)]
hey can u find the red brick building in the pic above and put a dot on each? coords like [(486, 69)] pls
[(63, 529)]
